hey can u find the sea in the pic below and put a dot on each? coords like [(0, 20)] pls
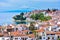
[(6, 17)]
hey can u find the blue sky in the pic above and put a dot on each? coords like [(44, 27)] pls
[(6, 5)]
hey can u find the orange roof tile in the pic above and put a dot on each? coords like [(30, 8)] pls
[(0, 27), (17, 33), (50, 32), (25, 30), (6, 34), (58, 34), (40, 30), (14, 33), (31, 35), (1, 34), (44, 26)]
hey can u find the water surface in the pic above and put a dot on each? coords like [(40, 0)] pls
[(6, 18)]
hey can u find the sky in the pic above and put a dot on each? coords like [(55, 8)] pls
[(6, 5)]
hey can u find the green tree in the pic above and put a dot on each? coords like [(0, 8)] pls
[(40, 16), (31, 27), (20, 17), (48, 17), (58, 38), (34, 16)]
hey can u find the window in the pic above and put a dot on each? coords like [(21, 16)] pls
[(43, 37), (22, 38), (52, 34), (16, 38), (43, 34), (16, 28), (40, 37), (25, 38), (59, 29), (52, 37), (3, 39), (11, 38), (48, 38), (58, 37)]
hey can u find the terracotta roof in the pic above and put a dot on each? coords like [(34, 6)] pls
[(25, 30), (58, 34), (40, 30), (1, 34), (31, 35), (44, 26), (50, 32), (17, 34), (0, 27), (6, 34)]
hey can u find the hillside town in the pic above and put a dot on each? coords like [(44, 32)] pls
[(35, 28)]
